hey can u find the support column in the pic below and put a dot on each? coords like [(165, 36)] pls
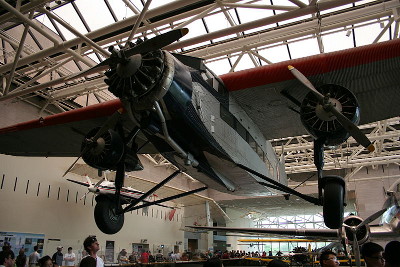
[(209, 222)]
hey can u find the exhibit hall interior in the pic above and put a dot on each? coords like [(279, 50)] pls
[(199, 132)]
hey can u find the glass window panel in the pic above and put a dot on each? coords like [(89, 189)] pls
[(337, 41), (96, 15), (240, 129), (219, 67), (68, 13), (366, 34), (275, 54), (304, 48)]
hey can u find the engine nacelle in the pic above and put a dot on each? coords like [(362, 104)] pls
[(142, 79), (106, 152), (362, 234), (322, 124)]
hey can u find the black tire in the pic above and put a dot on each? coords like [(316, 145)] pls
[(106, 219), (333, 204)]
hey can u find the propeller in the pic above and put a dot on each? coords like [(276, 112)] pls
[(146, 46), (354, 229), (91, 142), (328, 106)]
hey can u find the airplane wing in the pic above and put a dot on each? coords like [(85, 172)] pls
[(371, 72), (59, 135), (328, 234)]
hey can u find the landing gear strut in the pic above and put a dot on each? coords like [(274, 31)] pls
[(331, 190)]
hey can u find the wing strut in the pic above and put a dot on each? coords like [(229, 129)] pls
[(276, 185), (129, 208)]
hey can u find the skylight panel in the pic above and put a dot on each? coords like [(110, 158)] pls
[(95, 13), (367, 34), (275, 54), (304, 48), (68, 14), (337, 41), (219, 67), (122, 11)]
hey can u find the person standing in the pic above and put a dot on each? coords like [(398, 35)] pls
[(34, 257), (373, 254), (392, 254), (69, 257), (328, 259), (21, 260), (58, 257), (6, 259), (92, 247)]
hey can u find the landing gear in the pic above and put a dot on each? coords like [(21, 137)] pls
[(106, 217), (333, 201), (331, 190)]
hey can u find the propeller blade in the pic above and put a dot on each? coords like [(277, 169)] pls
[(84, 195), (156, 42), (356, 248), (343, 120), (72, 165), (98, 183), (371, 218), (351, 128), (108, 124), (303, 79)]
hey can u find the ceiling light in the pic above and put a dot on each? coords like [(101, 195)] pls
[(348, 33)]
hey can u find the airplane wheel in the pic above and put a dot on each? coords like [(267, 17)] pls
[(333, 202), (106, 219)]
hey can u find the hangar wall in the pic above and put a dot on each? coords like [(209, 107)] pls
[(56, 211)]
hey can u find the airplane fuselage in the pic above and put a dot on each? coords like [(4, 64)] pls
[(206, 123)]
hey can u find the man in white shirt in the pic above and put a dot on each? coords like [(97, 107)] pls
[(34, 257), (69, 257), (92, 246)]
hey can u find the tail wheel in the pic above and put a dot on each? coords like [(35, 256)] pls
[(107, 220), (333, 201)]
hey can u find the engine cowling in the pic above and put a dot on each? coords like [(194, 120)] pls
[(362, 233), (141, 79), (106, 152), (322, 124)]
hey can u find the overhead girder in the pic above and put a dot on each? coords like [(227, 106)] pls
[(283, 34), (298, 151)]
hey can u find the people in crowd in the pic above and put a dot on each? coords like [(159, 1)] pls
[(328, 259), (58, 257), (92, 247), (133, 257), (7, 247), (144, 258), (392, 254), (69, 257), (45, 261), (22, 259), (123, 257), (159, 256), (6, 258), (372, 254), (34, 257)]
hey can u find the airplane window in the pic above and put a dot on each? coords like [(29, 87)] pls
[(260, 152), (227, 117), (241, 130), (252, 143)]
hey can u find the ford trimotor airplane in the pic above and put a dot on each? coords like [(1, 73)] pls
[(216, 128)]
